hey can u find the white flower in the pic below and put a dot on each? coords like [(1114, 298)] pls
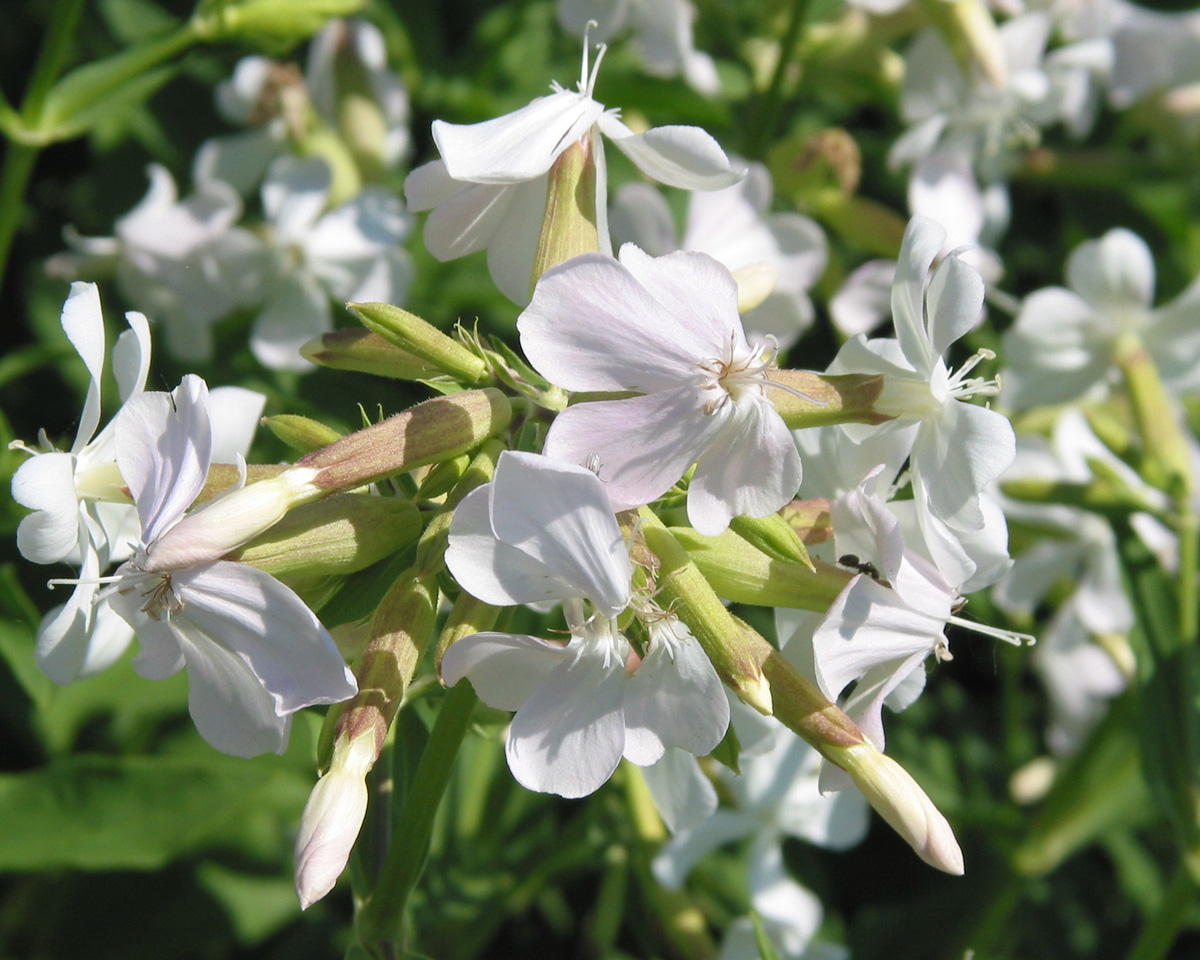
[(663, 29), (544, 530), (1061, 343), (489, 188), (959, 447), (886, 622), (349, 253), (668, 328), (185, 263), (355, 50), (273, 100), (255, 653), (953, 110), (733, 227)]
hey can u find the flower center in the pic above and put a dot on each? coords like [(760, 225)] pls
[(961, 387), (737, 377), (162, 602)]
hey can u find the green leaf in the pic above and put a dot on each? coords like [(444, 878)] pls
[(16, 647), (94, 812), (257, 906)]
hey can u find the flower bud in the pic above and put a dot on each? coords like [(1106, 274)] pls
[(300, 433), (229, 521), (421, 339), (283, 21), (437, 429), (337, 535), (331, 820), (774, 536), (365, 351), (569, 227), (897, 797), (740, 572)]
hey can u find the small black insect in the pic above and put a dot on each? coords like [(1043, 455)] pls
[(851, 560)]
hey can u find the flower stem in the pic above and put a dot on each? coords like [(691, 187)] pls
[(1160, 931), (769, 112), (19, 159), (380, 920)]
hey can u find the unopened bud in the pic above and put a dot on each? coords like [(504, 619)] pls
[(569, 227), (332, 819), (224, 524), (897, 797), (437, 429), (754, 284), (286, 21), (337, 535), (365, 351), (300, 433), (422, 340), (774, 536)]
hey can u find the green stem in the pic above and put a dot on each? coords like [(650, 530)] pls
[(1189, 570), (380, 920), (767, 116), (19, 159), (1161, 929)]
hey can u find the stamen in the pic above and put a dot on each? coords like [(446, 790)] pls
[(1013, 637)]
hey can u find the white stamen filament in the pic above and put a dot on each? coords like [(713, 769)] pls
[(961, 387), (736, 378)]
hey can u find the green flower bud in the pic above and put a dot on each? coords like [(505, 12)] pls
[(300, 433), (569, 227), (337, 535), (365, 351), (817, 400), (281, 21), (422, 340)]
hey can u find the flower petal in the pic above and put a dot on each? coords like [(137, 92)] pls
[(517, 146), (673, 699), (922, 242), (685, 797), (131, 356), (959, 454), (1114, 272), (83, 323), (45, 483), (643, 444), (235, 413), (510, 259), (164, 447), (955, 303), (268, 628), (297, 311), (678, 156), (640, 215), (493, 571), (559, 514), (591, 325), (568, 736), (294, 194), (504, 668), (752, 468)]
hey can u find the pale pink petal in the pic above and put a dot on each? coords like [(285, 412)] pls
[(685, 797), (678, 156), (642, 445), (45, 483)]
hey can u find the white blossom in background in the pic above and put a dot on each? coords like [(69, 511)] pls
[(959, 447), (1061, 343), (185, 263), (949, 109), (667, 328), (1155, 52), (864, 300), (734, 226), (661, 28), (355, 50), (488, 190), (255, 654), (273, 101), (776, 796), (350, 253), (545, 530), (270, 100)]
